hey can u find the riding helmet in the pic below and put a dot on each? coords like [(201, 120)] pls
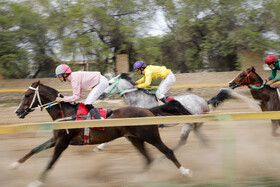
[(62, 69), (270, 59), (139, 64)]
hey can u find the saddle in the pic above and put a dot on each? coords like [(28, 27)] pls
[(82, 113), (152, 92)]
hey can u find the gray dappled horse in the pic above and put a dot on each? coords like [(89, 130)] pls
[(124, 85)]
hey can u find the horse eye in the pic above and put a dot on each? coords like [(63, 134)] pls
[(242, 75), (110, 84)]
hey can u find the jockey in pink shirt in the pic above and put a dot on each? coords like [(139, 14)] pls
[(82, 80)]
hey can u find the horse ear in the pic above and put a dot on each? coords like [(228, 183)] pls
[(36, 84), (253, 68)]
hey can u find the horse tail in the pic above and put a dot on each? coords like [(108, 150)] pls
[(222, 96), (171, 108), (226, 94)]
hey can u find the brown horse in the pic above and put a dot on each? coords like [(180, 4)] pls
[(268, 97), (41, 95)]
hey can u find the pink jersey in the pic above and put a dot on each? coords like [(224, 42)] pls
[(82, 80)]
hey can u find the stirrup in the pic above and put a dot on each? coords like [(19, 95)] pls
[(164, 100), (94, 113)]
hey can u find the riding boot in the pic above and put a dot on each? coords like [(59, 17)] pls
[(93, 112), (164, 100)]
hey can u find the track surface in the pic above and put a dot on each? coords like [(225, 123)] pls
[(236, 152)]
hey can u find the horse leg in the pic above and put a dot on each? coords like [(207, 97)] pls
[(46, 145), (100, 147), (139, 144), (199, 134), (153, 138), (185, 131), (170, 155), (61, 144), (275, 125)]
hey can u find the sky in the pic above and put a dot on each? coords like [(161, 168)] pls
[(157, 26)]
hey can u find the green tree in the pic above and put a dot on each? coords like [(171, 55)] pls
[(211, 34), (148, 49), (13, 59), (94, 30), (25, 33)]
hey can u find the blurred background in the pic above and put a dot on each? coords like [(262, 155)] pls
[(203, 42), (185, 35)]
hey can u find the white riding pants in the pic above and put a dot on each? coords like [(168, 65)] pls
[(97, 90), (165, 85)]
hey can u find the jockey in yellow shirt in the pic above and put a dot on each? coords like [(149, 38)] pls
[(153, 72)]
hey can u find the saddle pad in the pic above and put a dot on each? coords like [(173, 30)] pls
[(277, 86), (169, 98), (83, 111)]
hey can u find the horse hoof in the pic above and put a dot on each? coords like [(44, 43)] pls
[(14, 165), (36, 183), (187, 172), (97, 149)]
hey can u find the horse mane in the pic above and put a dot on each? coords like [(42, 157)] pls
[(259, 77), (55, 92), (127, 77), (171, 108), (50, 88)]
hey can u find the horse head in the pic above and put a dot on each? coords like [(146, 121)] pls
[(246, 78), (117, 85), (37, 96)]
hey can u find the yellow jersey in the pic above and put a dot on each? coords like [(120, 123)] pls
[(152, 72)]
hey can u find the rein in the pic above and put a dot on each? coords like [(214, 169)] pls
[(127, 91), (37, 95), (42, 106), (257, 87), (121, 92), (254, 86)]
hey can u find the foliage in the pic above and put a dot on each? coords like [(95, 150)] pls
[(201, 35), (211, 34), (13, 59), (25, 33), (95, 31), (148, 50)]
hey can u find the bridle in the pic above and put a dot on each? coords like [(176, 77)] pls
[(255, 86), (119, 91), (122, 92), (40, 105)]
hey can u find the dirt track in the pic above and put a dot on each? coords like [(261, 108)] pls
[(236, 152)]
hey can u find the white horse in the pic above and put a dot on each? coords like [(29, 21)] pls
[(124, 85)]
